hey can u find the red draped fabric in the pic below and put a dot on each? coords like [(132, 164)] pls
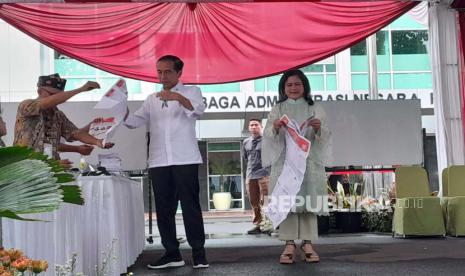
[(219, 42), (458, 4), (164, 1)]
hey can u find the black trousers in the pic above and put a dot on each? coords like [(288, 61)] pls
[(170, 185)]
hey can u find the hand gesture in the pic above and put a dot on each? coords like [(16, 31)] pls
[(315, 123), (85, 149), (65, 163), (277, 124), (167, 95), (106, 146), (90, 85)]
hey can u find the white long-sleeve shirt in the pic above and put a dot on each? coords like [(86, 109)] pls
[(172, 127)]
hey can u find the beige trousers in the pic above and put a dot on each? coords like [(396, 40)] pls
[(299, 226)]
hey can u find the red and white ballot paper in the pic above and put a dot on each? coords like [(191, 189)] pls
[(100, 129), (116, 102), (284, 195)]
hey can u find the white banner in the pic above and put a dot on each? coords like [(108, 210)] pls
[(256, 101)]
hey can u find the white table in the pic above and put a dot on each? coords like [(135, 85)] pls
[(113, 210)]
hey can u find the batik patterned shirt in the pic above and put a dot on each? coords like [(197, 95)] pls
[(35, 127)]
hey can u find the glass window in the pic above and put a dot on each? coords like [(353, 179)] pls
[(360, 81), (315, 68), (232, 184), (359, 53), (133, 86), (273, 83), (226, 87), (73, 68), (409, 42), (225, 172), (359, 49), (317, 82), (402, 60), (78, 73), (384, 81), (73, 83), (383, 61), (158, 87), (259, 85), (382, 43), (330, 68), (413, 81), (223, 147), (224, 163), (406, 22), (419, 62), (321, 76), (331, 82), (359, 57), (58, 55), (409, 51)]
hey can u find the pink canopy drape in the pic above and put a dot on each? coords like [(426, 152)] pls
[(219, 42)]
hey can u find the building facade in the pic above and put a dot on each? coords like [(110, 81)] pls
[(403, 72)]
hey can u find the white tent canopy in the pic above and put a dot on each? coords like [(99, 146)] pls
[(446, 88)]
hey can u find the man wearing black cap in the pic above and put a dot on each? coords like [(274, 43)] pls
[(40, 124)]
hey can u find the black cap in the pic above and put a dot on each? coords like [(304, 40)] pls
[(52, 81)]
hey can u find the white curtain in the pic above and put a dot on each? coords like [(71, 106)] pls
[(420, 13), (445, 68)]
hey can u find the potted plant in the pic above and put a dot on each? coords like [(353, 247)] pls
[(377, 214), (31, 183), (222, 199), (348, 208)]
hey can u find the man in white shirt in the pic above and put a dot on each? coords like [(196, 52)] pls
[(173, 160)]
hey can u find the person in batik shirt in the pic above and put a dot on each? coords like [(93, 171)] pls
[(40, 124)]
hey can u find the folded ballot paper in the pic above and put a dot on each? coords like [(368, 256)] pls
[(116, 102), (103, 129)]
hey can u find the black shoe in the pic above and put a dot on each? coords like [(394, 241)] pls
[(254, 231), (201, 262), (268, 232), (167, 261)]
